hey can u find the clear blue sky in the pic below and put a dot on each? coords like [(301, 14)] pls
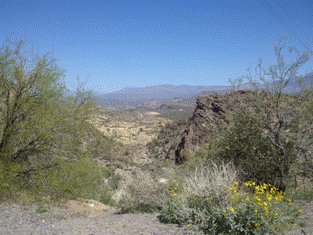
[(115, 44)]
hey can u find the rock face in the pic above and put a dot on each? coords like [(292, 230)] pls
[(210, 111), (164, 146)]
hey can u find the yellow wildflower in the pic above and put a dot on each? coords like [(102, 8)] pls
[(232, 189), (273, 190), (249, 184), (264, 186), (232, 210)]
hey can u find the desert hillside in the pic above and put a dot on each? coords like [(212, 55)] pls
[(156, 117)]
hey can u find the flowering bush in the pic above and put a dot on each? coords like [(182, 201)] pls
[(173, 210), (258, 208), (249, 208)]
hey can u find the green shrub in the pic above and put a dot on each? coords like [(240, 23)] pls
[(251, 151), (80, 178), (215, 205), (202, 189), (114, 181), (8, 188), (106, 198), (38, 123), (174, 210), (302, 195), (257, 209)]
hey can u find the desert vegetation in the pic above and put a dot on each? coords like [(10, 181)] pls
[(246, 178), (259, 153), (46, 141), (213, 200), (276, 125)]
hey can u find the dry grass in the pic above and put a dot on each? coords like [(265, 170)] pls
[(200, 191), (142, 195), (212, 180)]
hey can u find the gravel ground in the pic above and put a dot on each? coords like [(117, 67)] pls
[(16, 219)]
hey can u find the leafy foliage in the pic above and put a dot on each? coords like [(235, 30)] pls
[(36, 120), (269, 139), (253, 154), (81, 178), (45, 135), (228, 208)]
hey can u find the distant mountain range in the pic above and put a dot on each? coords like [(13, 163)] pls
[(294, 87), (135, 96)]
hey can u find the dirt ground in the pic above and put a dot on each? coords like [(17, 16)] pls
[(77, 218), (91, 217)]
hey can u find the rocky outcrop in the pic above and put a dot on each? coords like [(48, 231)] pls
[(164, 146), (210, 111)]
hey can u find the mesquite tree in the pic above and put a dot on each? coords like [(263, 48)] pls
[(37, 120), (271, 137)]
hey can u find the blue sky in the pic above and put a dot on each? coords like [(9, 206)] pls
[(115, 44)]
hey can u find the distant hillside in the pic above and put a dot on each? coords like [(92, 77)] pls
[(180, 140), (139, 96), (294, 86), (135, 96)]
